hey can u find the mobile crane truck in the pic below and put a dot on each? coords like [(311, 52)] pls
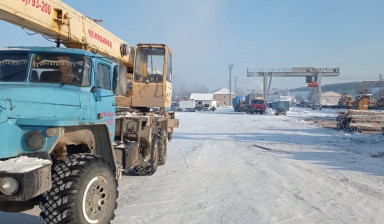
[(73, 119)]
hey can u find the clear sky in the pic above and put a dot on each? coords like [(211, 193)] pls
[(207, 35)]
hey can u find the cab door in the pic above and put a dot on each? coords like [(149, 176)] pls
[(105, 99)]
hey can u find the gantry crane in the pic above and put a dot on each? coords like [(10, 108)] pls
[(313, 78)]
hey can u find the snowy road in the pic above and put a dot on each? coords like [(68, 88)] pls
[(226, 167)]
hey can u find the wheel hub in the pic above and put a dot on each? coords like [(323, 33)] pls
[(96, 198)]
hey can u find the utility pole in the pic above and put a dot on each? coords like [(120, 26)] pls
[(236, 86), (230, 66)]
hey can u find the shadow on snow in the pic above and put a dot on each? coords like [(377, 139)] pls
[(19, 218), (319, 146)]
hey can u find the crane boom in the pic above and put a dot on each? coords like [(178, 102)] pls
[(151, 82), (59, 21)]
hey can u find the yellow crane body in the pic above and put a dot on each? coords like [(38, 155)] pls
[(59, 21)]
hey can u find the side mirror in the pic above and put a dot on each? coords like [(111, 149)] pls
[(94, 89), (96, 92)]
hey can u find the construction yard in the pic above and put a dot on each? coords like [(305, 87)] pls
[(196, 112), (227, 167)]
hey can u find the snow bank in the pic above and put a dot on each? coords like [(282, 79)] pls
[(300, 112), (22, 164)]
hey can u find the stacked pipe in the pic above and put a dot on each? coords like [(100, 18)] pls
[(368, 122)]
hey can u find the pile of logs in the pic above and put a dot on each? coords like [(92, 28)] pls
[(364, 121), (324, 122)]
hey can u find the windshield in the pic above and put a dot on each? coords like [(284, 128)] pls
[(61, 69), (149, 65), (13, 67), (257, 101)]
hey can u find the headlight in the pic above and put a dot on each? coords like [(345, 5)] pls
[(35, 140), (50, 132), (9, 185)]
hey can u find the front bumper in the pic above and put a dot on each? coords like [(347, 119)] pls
[(33, 175)]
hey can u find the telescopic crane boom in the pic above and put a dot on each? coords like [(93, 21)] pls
[(151, 86), (59, 21)]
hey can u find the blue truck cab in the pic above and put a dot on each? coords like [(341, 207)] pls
[(46, 92), (238, 103)]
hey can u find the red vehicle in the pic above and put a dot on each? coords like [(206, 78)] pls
[(257, 106)]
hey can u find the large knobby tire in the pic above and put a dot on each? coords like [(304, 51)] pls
[(157, 142), (154, 160), (84, 190), (163, 149)]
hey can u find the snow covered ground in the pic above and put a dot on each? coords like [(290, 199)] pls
[(227, 167)]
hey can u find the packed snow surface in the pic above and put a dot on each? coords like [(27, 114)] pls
[(227, 167), (22, 164)]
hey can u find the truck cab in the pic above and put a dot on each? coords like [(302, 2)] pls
[(53, 102), (238, 104), (257, 106)]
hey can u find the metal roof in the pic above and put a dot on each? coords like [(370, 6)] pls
[(223, 91), (201, 96)]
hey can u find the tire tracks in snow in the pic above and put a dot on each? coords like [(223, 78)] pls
[(185, 160), (344, 180)]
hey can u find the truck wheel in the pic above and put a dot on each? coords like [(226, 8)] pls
[(84, 190), (154, 161), (163, 149)]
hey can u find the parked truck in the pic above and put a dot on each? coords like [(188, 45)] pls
[(202, 105), (346, 101), (238, 104), (72, 120), (187, 105), (281, 107), (254, 104)]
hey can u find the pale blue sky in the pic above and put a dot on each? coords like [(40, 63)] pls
[(206, 35)]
